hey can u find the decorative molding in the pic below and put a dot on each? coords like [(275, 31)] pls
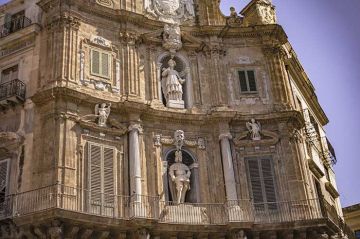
[(159, 140), (105, 3), (98, 40), (332, 190)]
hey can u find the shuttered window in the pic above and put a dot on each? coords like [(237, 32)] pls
[(100, 63), (247, 81), (4, 171), (101, 178), (262, 183)]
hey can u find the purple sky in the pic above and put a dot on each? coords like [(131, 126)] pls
[(326, 37)]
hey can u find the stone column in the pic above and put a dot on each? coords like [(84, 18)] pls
[(228, 166), (189, 89), (134, 156), (196, 184)]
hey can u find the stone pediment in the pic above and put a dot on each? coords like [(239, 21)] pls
[(267, 138), (156, 38), (114, 126)]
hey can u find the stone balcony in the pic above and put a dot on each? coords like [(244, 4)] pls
[(136, 207)]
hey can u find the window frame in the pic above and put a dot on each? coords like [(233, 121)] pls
[(108, 53), (12, 73), (7, 174), (103, 204), (248, 91), (265, 202)]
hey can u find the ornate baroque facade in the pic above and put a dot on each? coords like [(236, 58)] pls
[(159, 119)]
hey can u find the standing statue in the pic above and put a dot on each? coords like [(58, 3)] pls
[(102, 111), (180, 176), (172, 86), (254, 128)]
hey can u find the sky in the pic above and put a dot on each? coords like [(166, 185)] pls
[(326, 37)]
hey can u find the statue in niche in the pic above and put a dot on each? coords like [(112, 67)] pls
[(102, 111), (172, 86), (254, 129), (180, 176), (179, 172)]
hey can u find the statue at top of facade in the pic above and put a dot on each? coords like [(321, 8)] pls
[(102, 111), (172, 37), (170, 11), (254, 128), (172, 86), (180, 176)]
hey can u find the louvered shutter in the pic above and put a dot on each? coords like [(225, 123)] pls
[(105, 64), (95, 62), (95, 178), (243, 84), (109, 181), (251, 80), (255, 182), (3, 175), (269, 184)]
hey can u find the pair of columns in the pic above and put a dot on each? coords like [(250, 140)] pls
[(135, 162)]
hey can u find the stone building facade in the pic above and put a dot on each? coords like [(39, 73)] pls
[(159, 119), (352, 218)]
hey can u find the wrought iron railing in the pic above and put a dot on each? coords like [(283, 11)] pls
[(14, 26), (14, 88), (152, 208)]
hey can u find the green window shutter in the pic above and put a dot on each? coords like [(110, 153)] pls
[(95, 62), (251, 80), (243, 84), (109, 184), (95, 175), (105, 64)]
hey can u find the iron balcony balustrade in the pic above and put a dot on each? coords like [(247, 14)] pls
[(14, 26), (152, 208), (12, 92)]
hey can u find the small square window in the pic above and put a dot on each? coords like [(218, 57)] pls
[(100, 63), (247, 81)]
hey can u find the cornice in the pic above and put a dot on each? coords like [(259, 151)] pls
[(306, 88)]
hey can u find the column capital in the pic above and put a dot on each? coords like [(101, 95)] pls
[(136, 127), (225, 136)]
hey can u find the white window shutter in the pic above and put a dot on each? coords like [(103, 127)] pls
[(95, 174), (109, 175), (105, 64), (95, 62), (268, 177)]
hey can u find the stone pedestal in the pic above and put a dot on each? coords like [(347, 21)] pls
[(177, 104)]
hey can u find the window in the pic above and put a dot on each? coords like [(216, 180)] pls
[(9, 74), (247, 81), (357, 234), (101, 179), (262, 183), (100, 63), (4, 168)]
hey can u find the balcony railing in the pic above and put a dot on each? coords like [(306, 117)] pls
[(14, 26), (13, 90), (152, 208)]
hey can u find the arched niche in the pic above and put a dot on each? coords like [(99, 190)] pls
[(193, 195), (183, 68)]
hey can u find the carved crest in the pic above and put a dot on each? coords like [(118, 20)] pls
[(170, 11)]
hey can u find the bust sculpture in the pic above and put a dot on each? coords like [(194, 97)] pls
[(172, 86), (180, 176), (254, 129)]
